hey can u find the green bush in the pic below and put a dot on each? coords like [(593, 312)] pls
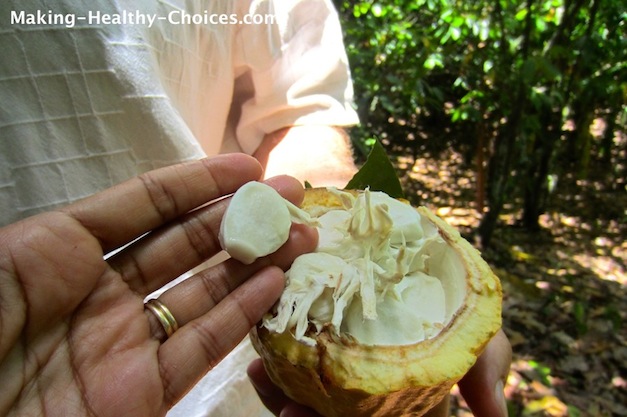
[(510, 73)]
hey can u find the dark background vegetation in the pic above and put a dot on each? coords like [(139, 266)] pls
[(508, 119)]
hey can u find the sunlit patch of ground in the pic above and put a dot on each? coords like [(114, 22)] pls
[(604, 254)]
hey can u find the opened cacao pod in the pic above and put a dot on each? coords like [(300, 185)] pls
[(392, 309)]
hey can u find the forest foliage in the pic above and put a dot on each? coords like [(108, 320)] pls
[(513, 85)]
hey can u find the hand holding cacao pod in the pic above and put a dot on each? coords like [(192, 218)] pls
[(392, 309)]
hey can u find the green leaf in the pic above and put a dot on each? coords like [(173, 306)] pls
[(434, 60), (522, 13), (487, 65), (544, 372), (458, 22), (377, 10), (377, 173)]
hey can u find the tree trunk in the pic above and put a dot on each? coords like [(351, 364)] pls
[(501, 161), (536, 192), (480, 194), (500, 171)]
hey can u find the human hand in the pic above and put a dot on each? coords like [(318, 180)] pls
[(481, 387), (75, 338)]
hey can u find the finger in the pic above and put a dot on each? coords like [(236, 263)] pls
[(199, 345), (272, 396), (185, 243), (122, 213), (482, 386), (200, 293), (440, 410), (293, 409)]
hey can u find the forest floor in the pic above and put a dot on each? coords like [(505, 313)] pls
[(565, 287)]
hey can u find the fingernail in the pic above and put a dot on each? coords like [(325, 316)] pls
[(499, 397)]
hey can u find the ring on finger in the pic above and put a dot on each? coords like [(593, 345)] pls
[(163, 315)]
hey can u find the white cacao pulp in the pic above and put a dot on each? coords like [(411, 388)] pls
[(380, 274), (257, 222)]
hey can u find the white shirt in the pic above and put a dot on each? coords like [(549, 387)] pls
[(88, 103), (85, 107)]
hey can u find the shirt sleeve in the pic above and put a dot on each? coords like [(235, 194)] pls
[(293, 72)]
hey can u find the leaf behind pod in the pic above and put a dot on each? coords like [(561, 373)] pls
[(378, 173)]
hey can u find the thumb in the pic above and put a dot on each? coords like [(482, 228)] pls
[(482, 386)]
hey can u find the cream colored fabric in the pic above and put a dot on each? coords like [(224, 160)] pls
[(85, 107)]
